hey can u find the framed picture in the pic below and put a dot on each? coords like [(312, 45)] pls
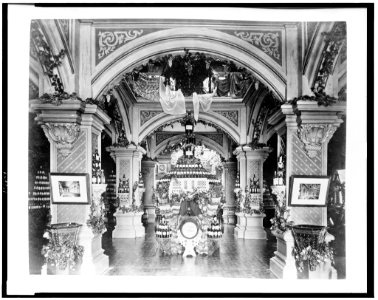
[(308, 190), (69, 188)]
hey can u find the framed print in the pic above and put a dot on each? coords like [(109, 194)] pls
[(308, 190), (69, 188)]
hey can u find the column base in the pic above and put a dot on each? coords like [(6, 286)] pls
[(129, 225), (250, 227), (229, 215), (94, 259), (282, 265), (150, 210)]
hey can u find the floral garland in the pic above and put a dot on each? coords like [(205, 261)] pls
[(66, 255), (321, 98), (96, 218), (280, 220)]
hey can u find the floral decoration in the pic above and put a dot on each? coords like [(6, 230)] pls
[(244, 204), (280, 220), (68, 254), (310, 246), (96, 218)]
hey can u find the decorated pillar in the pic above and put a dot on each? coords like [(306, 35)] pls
[(148, 173), (251, 164), (230, 169), (73, 129), (250, 197), (309, 129), (129, 212)]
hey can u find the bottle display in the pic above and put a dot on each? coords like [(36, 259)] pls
[(40, 196)]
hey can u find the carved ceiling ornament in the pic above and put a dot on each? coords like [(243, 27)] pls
[(64, 135), (269, 42), (146, 115), (314, 135), (233, 115), (108, 41)]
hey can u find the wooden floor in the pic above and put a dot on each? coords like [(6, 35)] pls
[(235, 258)]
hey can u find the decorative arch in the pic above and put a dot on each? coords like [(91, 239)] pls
[(209, 117), (206, 141), (204, 40)]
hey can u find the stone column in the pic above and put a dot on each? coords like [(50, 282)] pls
[(74, 131), (128, 160), (230, 169), (309, 129), (251, 163), (148, 172)]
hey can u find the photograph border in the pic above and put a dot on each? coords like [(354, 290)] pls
[(71, 176)]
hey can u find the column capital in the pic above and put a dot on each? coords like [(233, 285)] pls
[(63, 135), (149, 163), (95, 117), (250, 153), (130, 151)]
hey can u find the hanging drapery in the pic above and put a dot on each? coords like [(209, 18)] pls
[(202, 100), (238, 85), (172, 102)]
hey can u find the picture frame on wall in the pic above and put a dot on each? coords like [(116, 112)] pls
[(308, 190), (70, 188)]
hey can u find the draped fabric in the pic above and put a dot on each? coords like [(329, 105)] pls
[(172, 102), (233, 85), (223, 86), (202, 100), (238, 85)]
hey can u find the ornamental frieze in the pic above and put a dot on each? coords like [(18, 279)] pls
[(270, 42), (233, 115), (146, 115), (110, 39)]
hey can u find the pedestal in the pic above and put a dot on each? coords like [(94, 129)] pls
[(282, 265), (94, 259), (129, 225), (229, 215), (250, 227)]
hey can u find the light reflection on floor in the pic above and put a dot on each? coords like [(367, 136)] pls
[(235, 258)]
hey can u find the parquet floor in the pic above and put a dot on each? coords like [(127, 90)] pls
[(235, 258)]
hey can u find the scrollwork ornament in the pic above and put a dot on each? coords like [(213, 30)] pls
[(109, 40), (64, 135), (314, 135), (269, 42)]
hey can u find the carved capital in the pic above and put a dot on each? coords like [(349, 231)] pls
[(64, 135), (314, 135)]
